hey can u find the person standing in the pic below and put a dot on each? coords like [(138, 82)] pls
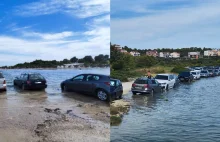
[(149, 75)]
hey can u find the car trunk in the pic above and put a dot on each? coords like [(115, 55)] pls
[(140, 85), (36, 80), (2, 81)]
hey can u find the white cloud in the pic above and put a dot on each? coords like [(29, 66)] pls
[(171, 28), (50, 36), (79, 8)]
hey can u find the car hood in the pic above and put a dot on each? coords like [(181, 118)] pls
[(162, 81)]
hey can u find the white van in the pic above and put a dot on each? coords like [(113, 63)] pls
[(196, 74), (2, 82)]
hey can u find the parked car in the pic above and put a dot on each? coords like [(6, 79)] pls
[(2, 83), (92, 84), (176, 80), (30, 81), (216, 72), (196, 74), (167, 81), (116, 89), (211, 72), (185, 76), (204, 73), (146, 85)]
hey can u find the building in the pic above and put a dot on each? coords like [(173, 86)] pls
[(164, 54), (194, 55), (211, 53), (174, 55), (152, 53), (123, 51), (134, 53)]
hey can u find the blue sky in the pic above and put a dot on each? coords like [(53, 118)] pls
[(53, 29), (149, 24)]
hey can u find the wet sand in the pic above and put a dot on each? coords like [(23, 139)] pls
[(39, 116)]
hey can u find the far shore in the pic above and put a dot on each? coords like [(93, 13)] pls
[(52, 68)]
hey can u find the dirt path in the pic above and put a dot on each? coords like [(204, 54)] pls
[(53, 118)]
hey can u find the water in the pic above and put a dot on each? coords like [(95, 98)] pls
[(53, 77), (190, 112)]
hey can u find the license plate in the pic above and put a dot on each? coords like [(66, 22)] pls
[(137, 87), (38, 82)]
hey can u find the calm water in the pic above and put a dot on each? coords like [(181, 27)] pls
[(53, 77), (189, 113)]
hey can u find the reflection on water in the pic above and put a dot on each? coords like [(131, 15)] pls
[(189, 112)]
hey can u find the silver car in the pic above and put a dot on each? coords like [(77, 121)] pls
[(2, 82)]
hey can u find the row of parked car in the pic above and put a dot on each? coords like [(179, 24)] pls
[(167, 81), (98, 85)]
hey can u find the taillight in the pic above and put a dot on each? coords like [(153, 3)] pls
[(4, 82), (107, 83), (28, 82), (133, 85), (145, 86)]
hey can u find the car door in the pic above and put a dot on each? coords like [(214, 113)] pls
[(90, 83), (173, 80), (75, 84), (19, 80), (155, 85)]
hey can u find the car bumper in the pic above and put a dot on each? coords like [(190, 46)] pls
[(141, 91), (35, 86)]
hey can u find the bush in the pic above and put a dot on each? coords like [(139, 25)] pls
[(178, 69)]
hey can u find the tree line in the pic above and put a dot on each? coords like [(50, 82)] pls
[(99, 60)]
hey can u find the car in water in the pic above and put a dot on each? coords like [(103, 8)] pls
[(116, 89), (91, 84), (211, 72), (145, 85), (167, 81), (204, 73), (217, 72), (185, 76), (28, 81), (196, 74), (3, 86)]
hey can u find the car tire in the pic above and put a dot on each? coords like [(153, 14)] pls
[(120, 97), (167, 87), (14, 83), (134, 93), (102, 95), (23, 87), (174, 85)]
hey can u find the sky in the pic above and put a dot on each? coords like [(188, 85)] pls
[(53, 29), (150, 24)]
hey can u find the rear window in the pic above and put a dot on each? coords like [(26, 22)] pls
[(185, 73), (216, 70), (203, 71), (112, 83), (210, 70), (1, 75), (162, 77), (35, 76), (141, 81)]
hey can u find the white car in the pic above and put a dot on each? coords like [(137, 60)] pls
[(2, 82), (196, 74), (167, 81)]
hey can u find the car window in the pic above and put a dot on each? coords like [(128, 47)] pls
[(154, 81), (112, 83), (35, 76), (162, 77), (25, 76), (150, 82), (92, 78), (78, 78), (118, 83), (141, 81)]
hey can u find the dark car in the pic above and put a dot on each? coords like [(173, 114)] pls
[(145, 85), (211, 72), (30, 81), (92, 84), (216, 72), (185, 76), (116, 89)]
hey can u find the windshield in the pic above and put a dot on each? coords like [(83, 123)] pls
[(194, 73), (216, 70), (141, 81), (1, 76), (203, 71), (210, 70), (162, 77), (35, 76)]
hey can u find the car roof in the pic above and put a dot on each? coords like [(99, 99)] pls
[(165, 74), (30, 73), (93, 74)]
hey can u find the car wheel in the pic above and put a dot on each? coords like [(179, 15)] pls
[(64, 89), (174, 85), (15, 83), (134, 93), (167, 88), (120, 97), (102, 95), (23, 87)]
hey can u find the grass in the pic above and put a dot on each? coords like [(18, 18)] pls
[(115, 120), (116, 114)]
